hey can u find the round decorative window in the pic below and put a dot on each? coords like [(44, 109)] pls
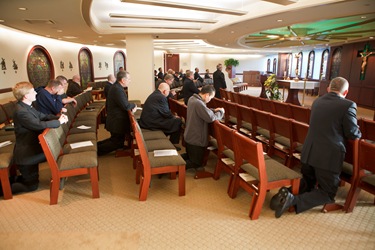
[(39, 66)]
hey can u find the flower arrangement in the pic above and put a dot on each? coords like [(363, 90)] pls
[(272, 89)]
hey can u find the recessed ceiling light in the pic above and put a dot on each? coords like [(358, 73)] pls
[(22, 8), (110, 44), (279, 20), (363, 17), (371, 37), (100, 36), (48, 36), (1, 21), (273, 36), (59, 31), (70, 37), (232, 32)]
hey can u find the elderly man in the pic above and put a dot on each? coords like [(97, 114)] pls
[(74, 86), (333, 120), (219, 80), (189, 88), (111, 79), (156, 114)]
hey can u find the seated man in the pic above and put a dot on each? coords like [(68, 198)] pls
[(49, 99), (156, 114), (74, 87)]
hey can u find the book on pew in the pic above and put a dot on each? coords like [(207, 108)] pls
[(165, 152), (5, 143), (81, 144), (83, 127)]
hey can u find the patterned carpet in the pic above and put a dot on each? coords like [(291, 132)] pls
[(206, 218)]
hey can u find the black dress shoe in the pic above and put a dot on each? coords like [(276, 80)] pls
[(277, 198), (285, 202)]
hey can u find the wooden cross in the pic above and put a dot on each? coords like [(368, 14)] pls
[(364, 54)]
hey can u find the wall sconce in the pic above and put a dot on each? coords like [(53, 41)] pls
[(70, 65), (62, 65)]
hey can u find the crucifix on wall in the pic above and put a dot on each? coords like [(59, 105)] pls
[(364, 54)]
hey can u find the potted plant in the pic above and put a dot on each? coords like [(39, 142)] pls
[(272, 89), (230, 65)]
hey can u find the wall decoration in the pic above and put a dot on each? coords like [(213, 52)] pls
[(70, 65), (15, 66), (100, 65), (119, 60), (336, 62), (62, 66), (106, 65), (364, 55), (85, 67), (3, 65), (323, 65), (39, 66)]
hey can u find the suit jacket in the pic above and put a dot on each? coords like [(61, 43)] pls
[(189, 89), (117, 110), (333, 120), (197, 77), (107, 86), (219, 82), (73, 89), (28, 124), (156, 114)]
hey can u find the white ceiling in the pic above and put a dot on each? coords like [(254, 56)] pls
[(195, 26)]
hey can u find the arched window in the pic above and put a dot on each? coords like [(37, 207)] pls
[(310, 65), (335, 64), (289, 65), (268, 65), (299, 64), (323, 65), (274, 65), (119, 60), (39, 66), (85, 67)]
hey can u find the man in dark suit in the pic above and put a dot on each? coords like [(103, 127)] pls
[(156, 114), (117, 122), (189, 88), (110, 81), (197, 76), (219, 80), (74, 87), (28, 124), (333, 120)]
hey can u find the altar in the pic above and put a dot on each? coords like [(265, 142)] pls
[(293, 88)]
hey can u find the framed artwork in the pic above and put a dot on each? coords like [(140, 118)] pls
[(336, 62), (85, 67), (274, 65), (119, 60), (268, 65), (39, 66)]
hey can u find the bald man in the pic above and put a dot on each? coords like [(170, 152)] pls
[(156, 114), (74, 86)]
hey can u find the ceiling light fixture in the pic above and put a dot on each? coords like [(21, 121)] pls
[(160, 18), (153, 27), (22, 8), (212, 9)]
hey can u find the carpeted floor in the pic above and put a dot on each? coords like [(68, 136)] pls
[(206, 218)]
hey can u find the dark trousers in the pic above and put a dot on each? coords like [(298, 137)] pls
[(174, 137), (116, 141), (194, 156), (28, 180), (318, 187)]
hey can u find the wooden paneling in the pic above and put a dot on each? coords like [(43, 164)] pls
[(252, 78)]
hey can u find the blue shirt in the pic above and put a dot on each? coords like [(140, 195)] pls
[(48, 103)]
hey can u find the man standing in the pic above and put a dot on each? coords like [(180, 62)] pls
[(117, 122), (333, 120), (74, 87), (110, 80), (219, 80), (189, 87), (156, 114), (196, 131)]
